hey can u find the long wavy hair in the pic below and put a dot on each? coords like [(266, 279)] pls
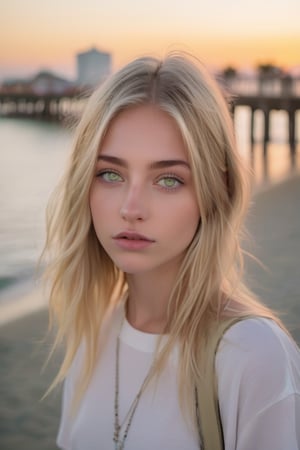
[(84, 282)]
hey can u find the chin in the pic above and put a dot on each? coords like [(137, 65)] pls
[(134, 266)]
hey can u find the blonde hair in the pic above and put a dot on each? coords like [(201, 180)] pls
[(84, 281)]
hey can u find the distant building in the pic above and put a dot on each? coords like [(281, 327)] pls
[(47, 82), (42, 83), (93, 67)]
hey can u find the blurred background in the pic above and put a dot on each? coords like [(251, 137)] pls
[(51, 53)]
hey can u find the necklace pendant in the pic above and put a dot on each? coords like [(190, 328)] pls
[(116, 436)]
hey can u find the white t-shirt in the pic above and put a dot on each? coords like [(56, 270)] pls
[(258, 370)]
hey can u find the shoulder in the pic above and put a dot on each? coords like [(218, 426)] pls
[(258, 383), (259, 336), (256, 352)]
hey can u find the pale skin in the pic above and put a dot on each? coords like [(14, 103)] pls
[(144, 208)]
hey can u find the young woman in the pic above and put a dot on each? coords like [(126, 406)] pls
[(146, 264)]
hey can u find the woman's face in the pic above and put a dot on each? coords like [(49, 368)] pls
[(143, 203)]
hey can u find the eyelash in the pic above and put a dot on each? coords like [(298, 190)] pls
[(100, 174), (172, 177)]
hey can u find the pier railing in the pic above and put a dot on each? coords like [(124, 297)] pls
[(48, 106), (262, 94), (267, 93), (267, 104)]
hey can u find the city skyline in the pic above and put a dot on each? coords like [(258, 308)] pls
[(36, 35)]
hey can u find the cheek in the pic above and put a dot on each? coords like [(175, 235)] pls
[(191, 218), (192, 224), (97, 210), (97, 207), (190, 212), (98, 200), (184, 220)]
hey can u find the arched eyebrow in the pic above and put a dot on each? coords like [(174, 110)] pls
[(163, 164)]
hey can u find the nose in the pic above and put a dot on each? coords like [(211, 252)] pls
[(134, 205)]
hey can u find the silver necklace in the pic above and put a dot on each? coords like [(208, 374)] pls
[(118, 438)]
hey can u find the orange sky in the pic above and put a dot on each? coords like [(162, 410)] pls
[(36, 34)]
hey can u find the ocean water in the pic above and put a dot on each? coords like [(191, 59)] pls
[(32, 157), (33, 154)]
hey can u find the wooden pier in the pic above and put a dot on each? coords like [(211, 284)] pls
[(266, 104), (46, 106), (63, 106)]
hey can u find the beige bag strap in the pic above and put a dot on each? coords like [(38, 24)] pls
[(207, 405)]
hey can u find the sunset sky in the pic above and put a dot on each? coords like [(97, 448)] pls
[(37, 34)]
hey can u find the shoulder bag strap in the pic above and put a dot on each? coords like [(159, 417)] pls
[(206, 391)]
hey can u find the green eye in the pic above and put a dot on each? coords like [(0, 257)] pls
[(169, 182), (110, 177)]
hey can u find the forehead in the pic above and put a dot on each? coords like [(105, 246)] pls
[(144, 130)]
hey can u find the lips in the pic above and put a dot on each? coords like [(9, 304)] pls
[(132, 236), (128, 240)]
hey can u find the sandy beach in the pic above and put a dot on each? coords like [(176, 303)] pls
[(26, 422)]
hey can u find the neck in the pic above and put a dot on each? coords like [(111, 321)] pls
[(149, 294)]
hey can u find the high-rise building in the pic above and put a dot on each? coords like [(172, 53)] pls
[(93, 67)]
